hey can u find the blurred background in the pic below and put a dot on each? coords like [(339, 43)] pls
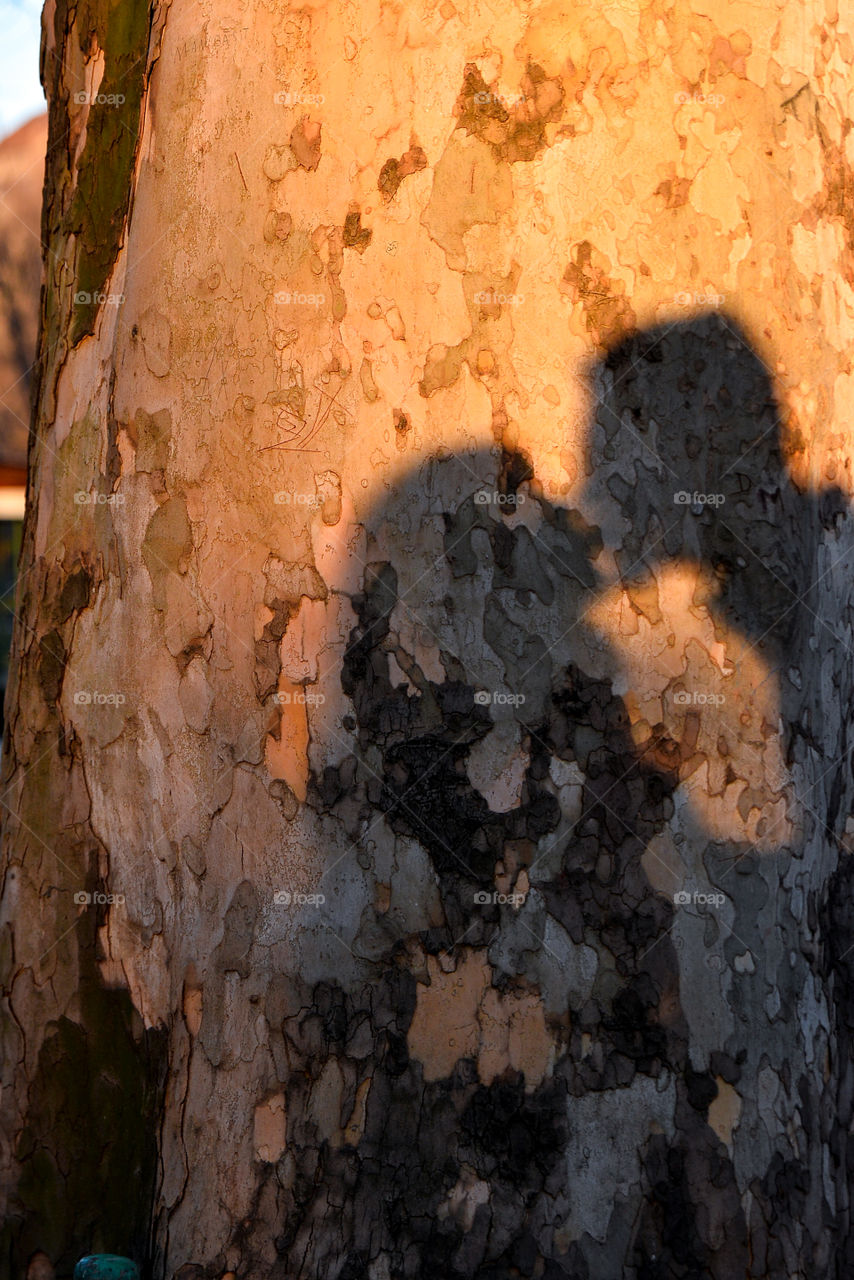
[(23, 137)]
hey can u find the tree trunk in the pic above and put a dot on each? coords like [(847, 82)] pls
[(428, 767)]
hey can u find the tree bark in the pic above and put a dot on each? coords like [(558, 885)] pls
[(427, 779)]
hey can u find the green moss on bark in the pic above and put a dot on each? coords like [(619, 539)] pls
[(101, 201), (97, 210), (89, 1152)]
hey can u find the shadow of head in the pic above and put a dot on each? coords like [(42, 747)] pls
[(682, 563), (688, 445), (684, 464), (497, 730)]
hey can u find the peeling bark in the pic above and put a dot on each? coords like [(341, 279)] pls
[(427, 779)]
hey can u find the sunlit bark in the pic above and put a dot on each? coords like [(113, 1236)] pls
[(428, 772)]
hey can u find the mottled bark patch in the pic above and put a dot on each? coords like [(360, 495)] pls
[(516, 131), (394, 171)]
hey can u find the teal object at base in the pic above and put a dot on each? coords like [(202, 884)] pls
[(106, 1266)]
